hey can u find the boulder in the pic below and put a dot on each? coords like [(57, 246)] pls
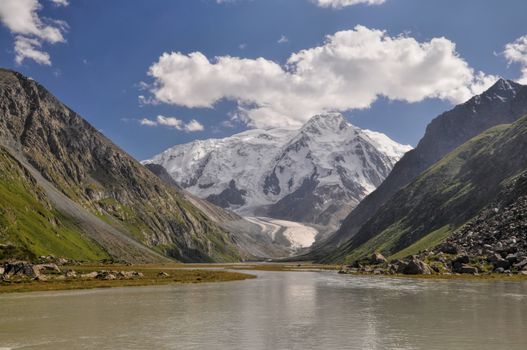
[(399, 266), (129, 274), (499, 270), (106, 275), (448, 248), (493, 258), (501, 263), (165, 275), (512, 258), (465, 268), (90, 275), (47, 268), (521, 264), (417, 267), (458, 263), (20, 269), (462, 259), (377, 259)]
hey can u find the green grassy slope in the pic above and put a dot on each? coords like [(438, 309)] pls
[(82, 164), (444, 197), (30, 226)]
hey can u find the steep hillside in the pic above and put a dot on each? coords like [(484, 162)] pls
[(446, 196), (29, 224), (314, 175), (127, 204), (503, 103), (251, 239)]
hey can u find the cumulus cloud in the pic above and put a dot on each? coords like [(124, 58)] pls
[(349, 71), (21, 18), (344, 3), (516, 52), (174, 123)]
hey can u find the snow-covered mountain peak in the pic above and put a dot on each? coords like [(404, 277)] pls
[(315, 174), (333, 122)]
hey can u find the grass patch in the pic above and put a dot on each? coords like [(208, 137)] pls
[(177, 274), (429, 241), (28, 221)]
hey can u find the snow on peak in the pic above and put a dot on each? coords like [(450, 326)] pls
[(328, 157)]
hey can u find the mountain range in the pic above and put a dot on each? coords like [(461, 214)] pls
[(464, 160), (67, 190), (316, 174)]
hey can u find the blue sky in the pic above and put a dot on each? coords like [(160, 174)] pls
[(108, 47)]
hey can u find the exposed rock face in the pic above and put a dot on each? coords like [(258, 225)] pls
[(314, 175), (83, 176), (499, 233), (503, 103)]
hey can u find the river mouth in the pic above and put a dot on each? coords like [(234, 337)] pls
[(278, 310)]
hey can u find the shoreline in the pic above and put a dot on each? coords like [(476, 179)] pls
[(165, 274), (152, 275)]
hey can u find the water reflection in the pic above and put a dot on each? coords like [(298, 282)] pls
[(304, 310)]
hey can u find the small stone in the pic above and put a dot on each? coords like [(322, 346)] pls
[(71, 274), (521, 264), (165, 275)]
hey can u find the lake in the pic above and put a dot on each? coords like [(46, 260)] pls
[(279, 310)]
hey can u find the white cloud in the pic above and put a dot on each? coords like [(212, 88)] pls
[(343, 3), (349, 71), (283, 39), (30, 48), (60, 2), (174, 123), (147, 122), (516, 52), (336, 4), (193, 126), (21, 18)]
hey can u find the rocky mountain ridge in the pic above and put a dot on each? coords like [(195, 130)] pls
[(104, 197), (503, 103)]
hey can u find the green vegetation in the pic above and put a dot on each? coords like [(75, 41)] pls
[(444, 197), (29, 226), (429, 241)]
